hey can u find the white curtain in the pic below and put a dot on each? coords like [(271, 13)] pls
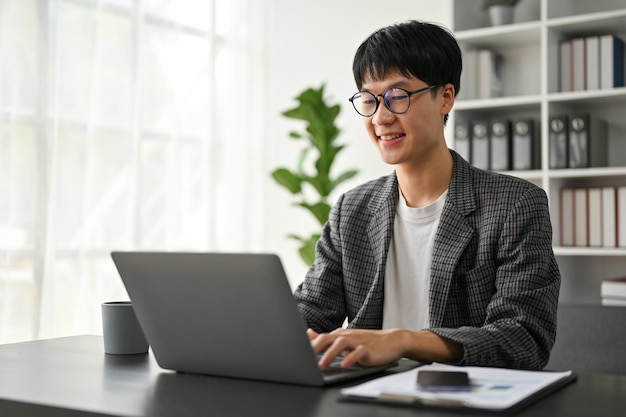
[(124, 124)]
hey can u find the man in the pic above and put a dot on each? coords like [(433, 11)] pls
[(438, 261)]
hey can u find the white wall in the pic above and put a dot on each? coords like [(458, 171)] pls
[(310, 43)]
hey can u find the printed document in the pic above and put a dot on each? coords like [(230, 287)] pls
[(491, 388)]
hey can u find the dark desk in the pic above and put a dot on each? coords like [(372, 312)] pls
[(73, 377)]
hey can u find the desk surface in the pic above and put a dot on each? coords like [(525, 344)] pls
[(73, 377)]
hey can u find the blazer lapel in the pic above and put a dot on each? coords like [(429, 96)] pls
[(452, 237), (380, 229)]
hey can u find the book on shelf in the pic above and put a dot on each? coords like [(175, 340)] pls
[(558, 141), (592, 62), (620, 214), (482, 75), (566, 224), (587, 142), (613, 288), (594, 219), (469, 75), (500, 145), (578, 64), (613, 302), (588, 216), (581, 217), (609, 217), (565, 65), (489, 68), (612, 62)]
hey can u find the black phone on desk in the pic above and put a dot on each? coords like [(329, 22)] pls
[(447, 381)]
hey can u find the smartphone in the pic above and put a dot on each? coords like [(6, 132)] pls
[(450, 381)]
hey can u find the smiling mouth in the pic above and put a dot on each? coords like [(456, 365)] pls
[(389, 137)]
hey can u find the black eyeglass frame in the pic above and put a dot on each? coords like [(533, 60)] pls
[(409, 94)]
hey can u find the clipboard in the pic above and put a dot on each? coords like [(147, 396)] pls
[(399, 390)]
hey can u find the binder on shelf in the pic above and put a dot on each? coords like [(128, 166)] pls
[(565, 66), (587, 142), (566, 224), (462, 140), (500, 145), (480, 144), (557, 142), (594, 212), (609, 217), (578, 64), (620, 208), (592, 62), (581, 217), (612, 62), (525, 154)]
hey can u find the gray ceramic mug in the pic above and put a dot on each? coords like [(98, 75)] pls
[(121, 331)]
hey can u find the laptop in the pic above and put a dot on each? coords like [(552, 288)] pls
[(224, 314)]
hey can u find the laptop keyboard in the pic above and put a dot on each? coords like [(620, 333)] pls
[(338, 370), (335, 368)]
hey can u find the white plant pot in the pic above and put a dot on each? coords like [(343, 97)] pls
[(501, 15)]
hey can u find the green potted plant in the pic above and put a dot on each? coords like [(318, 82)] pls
[(500, 11), (314, 178)]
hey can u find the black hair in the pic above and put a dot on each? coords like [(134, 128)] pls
[(413, 48)]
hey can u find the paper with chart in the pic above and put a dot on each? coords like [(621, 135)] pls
[(491, 388)]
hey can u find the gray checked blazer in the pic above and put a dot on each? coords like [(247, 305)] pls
[(494, 278)]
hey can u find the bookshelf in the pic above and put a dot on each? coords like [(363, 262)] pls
[(530, 49)]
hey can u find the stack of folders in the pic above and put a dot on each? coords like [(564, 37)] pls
[(593, 216), (498, 144), (591, 63), (577, 141), (613, 291)]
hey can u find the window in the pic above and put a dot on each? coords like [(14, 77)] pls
[(124, 124)]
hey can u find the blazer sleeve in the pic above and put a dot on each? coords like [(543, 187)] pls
[(320, 296), (519, 328)]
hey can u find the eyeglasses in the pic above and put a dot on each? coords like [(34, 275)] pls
[(397, 100)]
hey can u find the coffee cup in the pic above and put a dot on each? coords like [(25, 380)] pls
[(121, 331)]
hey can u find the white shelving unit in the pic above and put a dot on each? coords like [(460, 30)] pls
[(530, 48)]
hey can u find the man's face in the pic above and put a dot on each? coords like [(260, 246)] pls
[(409, 137)]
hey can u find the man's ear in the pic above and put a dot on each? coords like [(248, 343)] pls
[(448, 94)]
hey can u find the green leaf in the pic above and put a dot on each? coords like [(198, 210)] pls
[(343, 177), (321, 132), (301, 160), (307, 250), (320, 210), (288, 180), (298, 238), (321, 183), (307, 247)]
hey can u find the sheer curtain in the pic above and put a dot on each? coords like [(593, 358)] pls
[(124, 124)]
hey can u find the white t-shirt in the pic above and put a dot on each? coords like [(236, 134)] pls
[(407, 274)]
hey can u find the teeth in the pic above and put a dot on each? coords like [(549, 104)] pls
[(389, 137)]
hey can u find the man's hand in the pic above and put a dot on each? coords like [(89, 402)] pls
[(378, 347), (366, 347)]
